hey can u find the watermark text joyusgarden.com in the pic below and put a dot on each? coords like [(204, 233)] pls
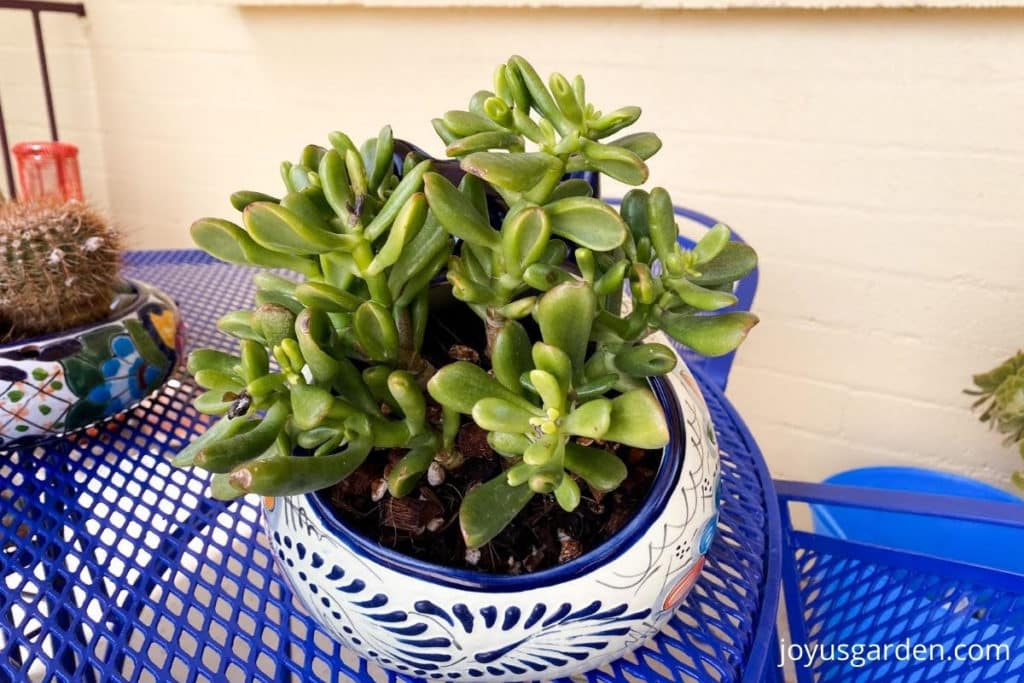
[(858, 655)]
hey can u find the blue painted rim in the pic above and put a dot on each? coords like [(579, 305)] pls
[(661, 490), (141, 291)]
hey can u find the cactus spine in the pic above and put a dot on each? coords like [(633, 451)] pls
[(58, 267)]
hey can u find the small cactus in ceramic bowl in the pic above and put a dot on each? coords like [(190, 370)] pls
[(77, 343), (480, 454)]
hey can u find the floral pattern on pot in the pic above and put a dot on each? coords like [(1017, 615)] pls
[(435, 622), (54, 385)]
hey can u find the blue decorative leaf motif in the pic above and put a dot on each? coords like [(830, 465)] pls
[(529, 640)]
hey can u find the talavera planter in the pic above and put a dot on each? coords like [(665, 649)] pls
[(436, 622), (60, 383)]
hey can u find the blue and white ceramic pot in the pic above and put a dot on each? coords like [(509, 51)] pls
[(63, 382), (435, 622)]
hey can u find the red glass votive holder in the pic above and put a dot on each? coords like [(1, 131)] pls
[(48, 170)]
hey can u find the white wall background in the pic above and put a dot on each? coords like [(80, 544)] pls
[(874, 157)]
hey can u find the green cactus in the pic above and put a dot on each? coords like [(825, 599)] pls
[(58, 266), (331, 368)]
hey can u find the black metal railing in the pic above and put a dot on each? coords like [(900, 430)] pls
[(36, 8)]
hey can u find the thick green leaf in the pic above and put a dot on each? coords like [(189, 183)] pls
[(497, 415), (568, 494), (225, 454), (699, 297), (604, 471), (599, 386), (634, 212), (573, 187), (566, 100), (645, 360), (590, 419), (524, 236), (547, 386), (554, 361), (228, 242), (662, 224), (544, 277), (508, 444), (496, 109), (410, 184), (709, 335), (637, 420), (218, 381), (588, 222), (279, 229), (734, 262), (324, 297), (274, 322), (461, 384), (376, 332), (383, 158), (410, 399), (407, 223), (311, 156), (516, 172), (244, 198), (456, 214), (644, 145), (540, 97), (566, 314), (310, 327), (283, 475), (335, 184), (617, 162), (310, 405), (711, 244), (221, 488), (255, 360), (212, 359), (222, 429), (488, 508), (612, 123), (302, 206), (239, 324), (481, 142), (510, 356), (465, 123), (407, 472)]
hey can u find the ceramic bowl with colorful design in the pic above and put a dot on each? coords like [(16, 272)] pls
[(60, 383), (435, 622)]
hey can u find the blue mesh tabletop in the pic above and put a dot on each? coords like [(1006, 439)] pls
[(117, 566)]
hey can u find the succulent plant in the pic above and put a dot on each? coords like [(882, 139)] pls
[(331, 367), (1000, 402), (58, 265)]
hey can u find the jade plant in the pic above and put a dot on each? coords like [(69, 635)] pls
[(56, 265), (333, 370), (1000, 402)]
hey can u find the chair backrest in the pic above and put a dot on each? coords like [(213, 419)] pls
[(845, 599), (716, 369)]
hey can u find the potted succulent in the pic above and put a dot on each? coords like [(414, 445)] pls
[(480, 455), (1000, 402), (78, 344)]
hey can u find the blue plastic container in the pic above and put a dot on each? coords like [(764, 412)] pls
[(977, 543)]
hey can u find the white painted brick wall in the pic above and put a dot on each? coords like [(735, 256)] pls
[(875, 158), (73, 85)]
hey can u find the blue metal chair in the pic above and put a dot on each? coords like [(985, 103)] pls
[(952, 621)]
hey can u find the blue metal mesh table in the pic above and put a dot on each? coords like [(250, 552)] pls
[(117, 566)]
